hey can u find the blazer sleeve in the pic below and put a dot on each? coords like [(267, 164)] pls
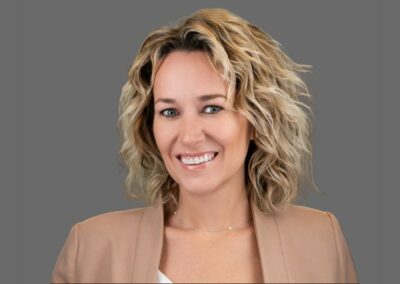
[(64, 270), (347, 272)]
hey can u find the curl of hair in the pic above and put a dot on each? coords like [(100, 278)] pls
[(264, 84)]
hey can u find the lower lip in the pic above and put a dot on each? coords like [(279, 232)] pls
[(197, 167)]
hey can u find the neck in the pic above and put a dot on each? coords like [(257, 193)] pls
[(215, 210)]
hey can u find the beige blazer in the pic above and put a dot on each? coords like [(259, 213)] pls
[(301, 244)]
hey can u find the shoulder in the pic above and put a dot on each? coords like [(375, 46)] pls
[(314, 238), (111, 224), (309, 227), (301, 216), (308, 224), (92, 242)]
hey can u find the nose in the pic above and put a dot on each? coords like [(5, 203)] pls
[(191, 130)]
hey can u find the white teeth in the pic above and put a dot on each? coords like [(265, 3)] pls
[(197, 160)]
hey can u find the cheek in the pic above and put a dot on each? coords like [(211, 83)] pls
[(238, 141), (235, 133), (163, 137)]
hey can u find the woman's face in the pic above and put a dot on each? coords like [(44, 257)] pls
[(193, 124)]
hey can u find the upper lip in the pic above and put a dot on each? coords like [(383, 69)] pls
[(195, 154)]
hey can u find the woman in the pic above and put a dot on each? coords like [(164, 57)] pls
[(216, 140)]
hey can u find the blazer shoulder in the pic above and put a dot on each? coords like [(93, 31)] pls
[(93, 242), (112, 222), (317, 233), (303, 213), (301, 209), (306, 220)]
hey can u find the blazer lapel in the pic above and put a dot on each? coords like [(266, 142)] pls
[(151, 235), (269, 247), (149, 245)]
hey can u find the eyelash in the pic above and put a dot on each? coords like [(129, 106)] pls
[(212, 113)]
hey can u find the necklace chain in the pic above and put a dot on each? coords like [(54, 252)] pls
[(229, 228)]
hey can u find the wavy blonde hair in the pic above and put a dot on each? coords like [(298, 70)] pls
[(264, 84)]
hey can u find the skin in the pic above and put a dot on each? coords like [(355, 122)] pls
[(213, 197), (210, 198)]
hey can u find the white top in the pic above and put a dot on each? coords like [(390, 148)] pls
[(162, 278)]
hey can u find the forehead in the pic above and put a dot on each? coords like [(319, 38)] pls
[(183, 73)]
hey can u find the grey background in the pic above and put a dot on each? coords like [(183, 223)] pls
[(69, 59)]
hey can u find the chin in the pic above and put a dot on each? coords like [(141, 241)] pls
[(196, 189)]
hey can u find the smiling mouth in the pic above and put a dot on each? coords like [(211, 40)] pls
[(194, 161)]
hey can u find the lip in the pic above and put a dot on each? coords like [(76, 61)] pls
[(197, 167), (191, 155)]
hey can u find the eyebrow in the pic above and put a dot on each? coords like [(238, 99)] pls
[(202, 98)]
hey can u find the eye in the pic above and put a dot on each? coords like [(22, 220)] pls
[(169, 112), (214, 109)]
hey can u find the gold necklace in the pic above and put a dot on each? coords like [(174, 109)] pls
[(229, 228)]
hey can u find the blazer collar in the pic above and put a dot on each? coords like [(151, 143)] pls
[(151, 236)]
